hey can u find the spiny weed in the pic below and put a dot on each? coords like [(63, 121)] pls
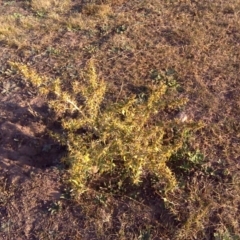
[(125, 138)]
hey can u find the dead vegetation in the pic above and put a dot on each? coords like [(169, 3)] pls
[(191, 48)]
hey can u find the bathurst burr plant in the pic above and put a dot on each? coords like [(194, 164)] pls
[(127, 138)]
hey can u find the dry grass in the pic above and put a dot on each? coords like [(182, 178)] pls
[(194, 43), (50, 6), (96, 10)]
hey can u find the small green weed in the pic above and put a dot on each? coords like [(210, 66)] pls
[(186, 159), (55, 207), (225, 236)]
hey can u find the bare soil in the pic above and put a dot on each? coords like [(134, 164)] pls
[(30, 169)]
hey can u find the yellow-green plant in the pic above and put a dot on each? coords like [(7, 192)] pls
[(127, 137)]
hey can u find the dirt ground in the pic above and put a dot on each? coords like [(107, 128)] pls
[(30, 167)]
